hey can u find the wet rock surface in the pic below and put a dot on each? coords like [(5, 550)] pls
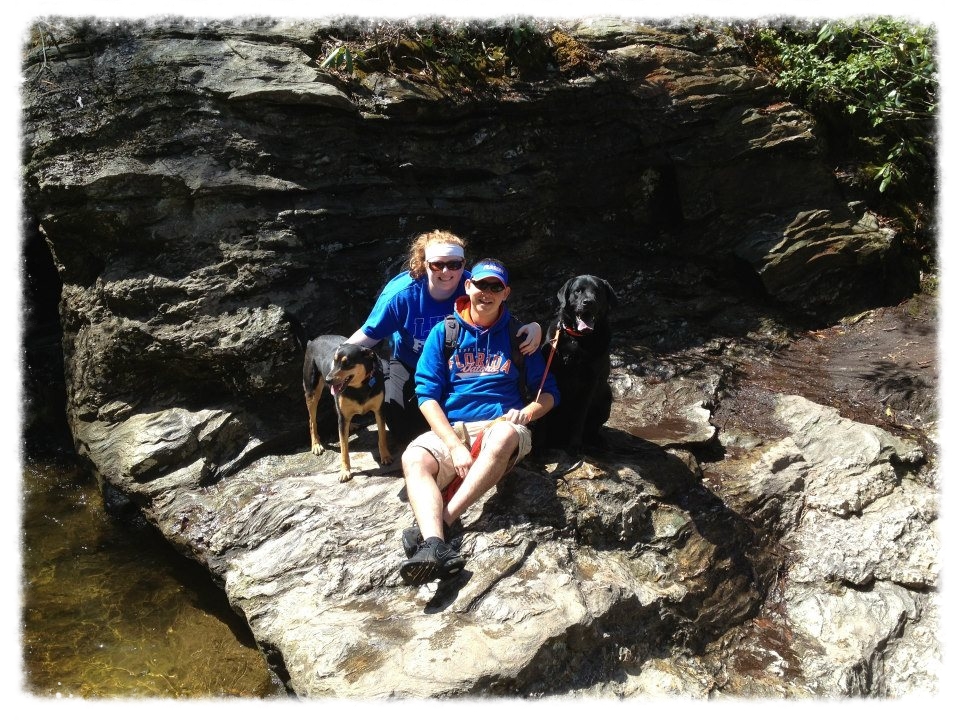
[(762, 521), (850, 494)]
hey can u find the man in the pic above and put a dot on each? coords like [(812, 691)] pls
[(478, 390)]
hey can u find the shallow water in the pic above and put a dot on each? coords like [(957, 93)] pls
[(113, 611)]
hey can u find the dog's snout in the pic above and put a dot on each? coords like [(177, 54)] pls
[(586, 302)]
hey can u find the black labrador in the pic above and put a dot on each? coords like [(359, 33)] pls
[(581, 365)]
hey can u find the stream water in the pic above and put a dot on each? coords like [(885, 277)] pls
[(112, 611)]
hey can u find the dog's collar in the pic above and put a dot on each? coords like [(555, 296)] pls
[(571, 331)]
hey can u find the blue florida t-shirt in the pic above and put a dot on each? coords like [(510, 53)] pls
[(405, 312)]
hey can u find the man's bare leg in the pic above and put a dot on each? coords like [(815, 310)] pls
[(487, 470), (420, 470), (434, 558)]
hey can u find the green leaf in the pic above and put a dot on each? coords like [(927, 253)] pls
[(333, 57)]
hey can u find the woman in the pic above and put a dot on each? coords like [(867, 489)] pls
[(408, 307)]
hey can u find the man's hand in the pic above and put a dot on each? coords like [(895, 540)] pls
[(518, 417), (461, 459), (531, 411)]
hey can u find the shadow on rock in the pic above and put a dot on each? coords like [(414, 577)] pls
[(447, 592), (639, 497)]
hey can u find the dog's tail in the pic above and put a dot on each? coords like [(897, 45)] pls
[(296, 327), (311, 375)]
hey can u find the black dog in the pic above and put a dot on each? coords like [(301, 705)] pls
[(581, 364), (355, 377)]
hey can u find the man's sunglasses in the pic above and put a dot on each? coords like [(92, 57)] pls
[(490, 287), (446, 265)]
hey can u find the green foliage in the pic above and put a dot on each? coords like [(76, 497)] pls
[(880, 76), (339, 56), (873, 86), (462, 59)]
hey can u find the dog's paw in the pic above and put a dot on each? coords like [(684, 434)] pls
[(316, 449), (344, 475), (386, 459)]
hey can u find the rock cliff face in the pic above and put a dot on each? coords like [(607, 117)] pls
[(210, 195)]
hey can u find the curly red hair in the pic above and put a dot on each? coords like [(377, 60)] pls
[(418, 250)]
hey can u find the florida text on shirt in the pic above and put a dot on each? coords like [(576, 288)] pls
[(470, 363)]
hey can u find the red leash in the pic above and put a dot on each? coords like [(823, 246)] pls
[(553, 350)]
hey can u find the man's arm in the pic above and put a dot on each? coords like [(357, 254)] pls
[(437, 419), (459, 453), (536, 375), (531, 411), (432, 377)]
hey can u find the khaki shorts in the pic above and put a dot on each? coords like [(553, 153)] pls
[(436, 447)]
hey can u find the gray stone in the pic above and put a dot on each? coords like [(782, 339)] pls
[(863, 537)]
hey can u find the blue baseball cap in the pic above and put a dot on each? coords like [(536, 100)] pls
[(489, 269)]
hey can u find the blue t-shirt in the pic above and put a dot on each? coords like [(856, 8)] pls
[(480, 381), (405, 312)]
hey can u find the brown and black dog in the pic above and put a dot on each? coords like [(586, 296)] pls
[(355, 377)]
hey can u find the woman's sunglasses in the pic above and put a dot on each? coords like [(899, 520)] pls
[(445, 265), (490, 287)]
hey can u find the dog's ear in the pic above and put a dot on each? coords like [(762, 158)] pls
[(612, 299), (562, 292), (369, 357)]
